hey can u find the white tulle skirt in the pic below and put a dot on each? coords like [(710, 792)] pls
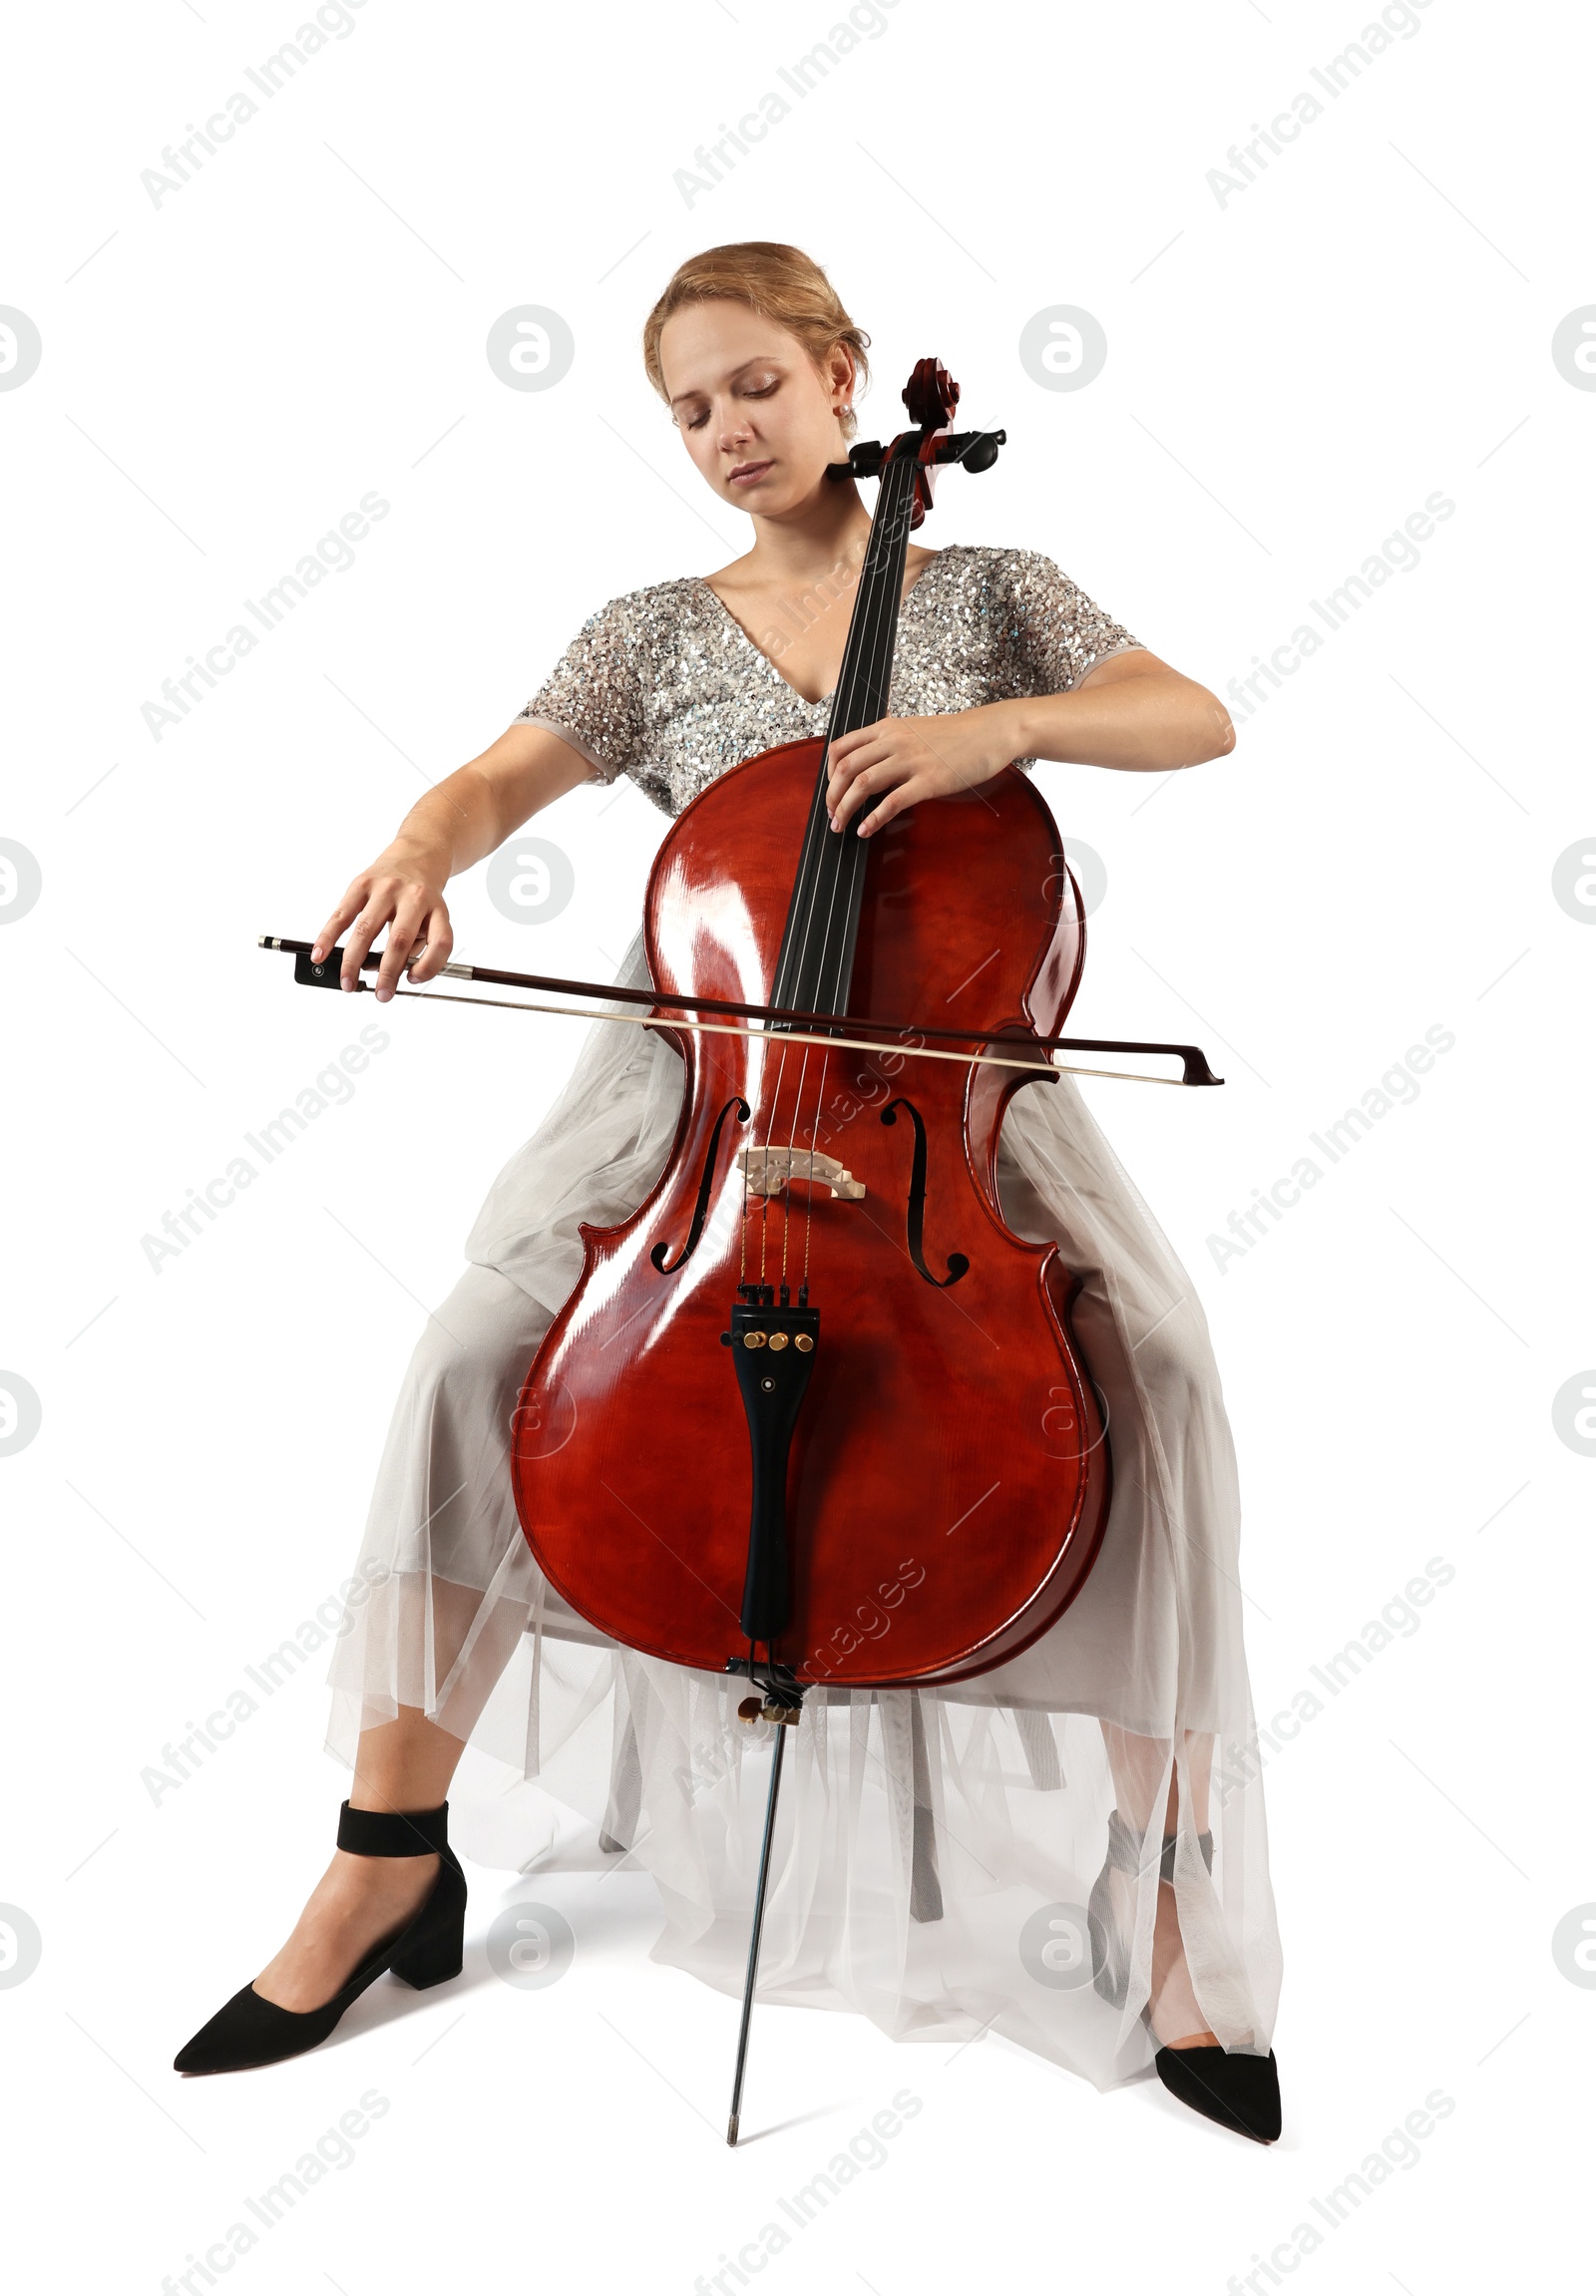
[(935, 1852)]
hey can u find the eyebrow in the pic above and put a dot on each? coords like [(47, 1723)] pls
[(731, 378)]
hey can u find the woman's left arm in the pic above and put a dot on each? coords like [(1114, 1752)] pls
[(1131, 712)]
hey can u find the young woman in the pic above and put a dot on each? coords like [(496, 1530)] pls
[(941, 1843)]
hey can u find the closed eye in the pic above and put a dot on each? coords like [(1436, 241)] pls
[(749, 391)]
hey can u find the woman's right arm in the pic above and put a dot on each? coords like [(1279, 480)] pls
[(457, 824)]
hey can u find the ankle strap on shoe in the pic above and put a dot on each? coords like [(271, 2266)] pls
[(1166, 1864), (1124, 1849), (393, 1834)]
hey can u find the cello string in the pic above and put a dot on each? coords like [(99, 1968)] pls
[(874, 640), (822, 861), (792, 1150), (872, 629), (809, 1202), (816, 858), (871, 632), (866, 702), (781, 1071), (743, 1227), (860, 651), (902, 514), (861, 663), (879, 628), (764, 1200), (853, 861), (818, 863), (772, 1129)]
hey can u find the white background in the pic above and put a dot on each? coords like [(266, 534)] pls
[(1288, 376)]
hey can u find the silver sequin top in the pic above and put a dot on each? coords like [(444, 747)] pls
[(665, 684)]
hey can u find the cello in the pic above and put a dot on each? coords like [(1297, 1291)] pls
[(812, 1414), (835, 1229)]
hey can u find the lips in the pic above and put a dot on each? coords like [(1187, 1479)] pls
[(747, 474)]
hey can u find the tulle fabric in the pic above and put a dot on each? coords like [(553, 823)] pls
[(936, 1851)]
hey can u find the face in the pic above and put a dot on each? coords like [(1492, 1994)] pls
[(760, 420)]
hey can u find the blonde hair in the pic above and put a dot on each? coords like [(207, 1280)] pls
[(780, 283)]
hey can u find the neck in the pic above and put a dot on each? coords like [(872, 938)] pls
[(830, 525)]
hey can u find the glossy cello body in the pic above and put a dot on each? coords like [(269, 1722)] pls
[(944, 1471)]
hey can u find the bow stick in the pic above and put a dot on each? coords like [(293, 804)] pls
[(1194, 1066)]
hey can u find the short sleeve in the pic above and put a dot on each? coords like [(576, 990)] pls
[(593, 697), (1056, 633)]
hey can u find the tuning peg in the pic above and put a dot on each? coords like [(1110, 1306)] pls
[(984, 453), (976, 450), (865, 458)]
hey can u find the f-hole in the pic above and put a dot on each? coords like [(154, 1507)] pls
[(705, 1181), (958, 1263)]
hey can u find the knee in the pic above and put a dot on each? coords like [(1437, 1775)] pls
[(1175, 1361), (480, 1341), (442, 1366)]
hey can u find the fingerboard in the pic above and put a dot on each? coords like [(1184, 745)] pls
[(815, 969)]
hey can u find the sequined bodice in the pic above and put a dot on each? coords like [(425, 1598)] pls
[(666, 685)]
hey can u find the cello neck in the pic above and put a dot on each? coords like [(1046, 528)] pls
[(864, 683), (815, 969)]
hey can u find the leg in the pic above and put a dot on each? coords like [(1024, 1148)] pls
[(402, 1765), (447, 1484), (1137, 1765)]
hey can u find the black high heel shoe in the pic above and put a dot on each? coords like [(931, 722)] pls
[(249, 2029), (1240, 2093)]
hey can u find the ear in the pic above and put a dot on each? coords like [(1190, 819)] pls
[(840, 371)]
